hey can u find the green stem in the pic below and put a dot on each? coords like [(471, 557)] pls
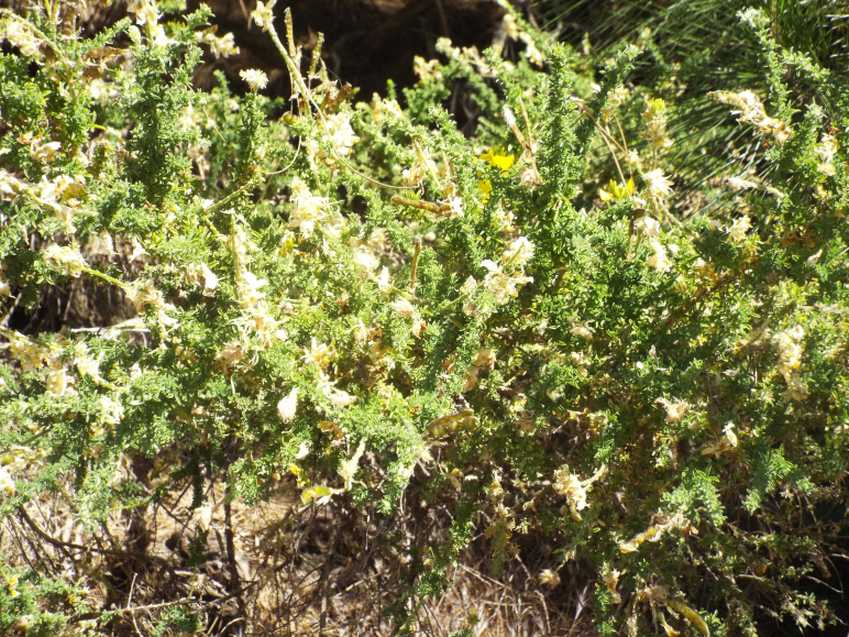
[(294, 71), (104, 277)]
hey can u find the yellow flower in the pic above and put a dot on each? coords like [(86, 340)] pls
[(616, 191), (12, 585), (655, 105), (320, 494), (485, 186), (502, 162)]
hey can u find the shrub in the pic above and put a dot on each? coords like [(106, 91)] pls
[(531, 328)]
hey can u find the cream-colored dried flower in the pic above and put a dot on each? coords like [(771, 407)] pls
[(338, 129), (426, 70), (86, 364), (383, 280), (575, 490), (740, 182), (501, 285), (231, 354), (470, 285), (509, 116), (263, 14), (111, 410), (220, 46), (519, 252), (662, 525), (738, 228), (365, 259), (348, 468), (210, 280), (337, 397), (826, 150), (648, 226), (255, 79), (59, 382), (29, 355), (318, 354), (307, 210), (582, 332), (658, 184), (549, 578), (484, 361), (10, 185), (570, 486), (730, 434), (789, 344), (144, 10), (456, 206), (407, 310), (750, 110), (532, 52), (46, 152), (418, 326), (659, 259), (100, 244), (725, 444), (7, 483), (610, 577), (250, 290), (790, 350), (288, 406), (404, 308), (423, 166), (68, 258), (675, 409), (19, 35)]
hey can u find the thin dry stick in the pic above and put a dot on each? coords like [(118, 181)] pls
[(62, 546), (130, 601)]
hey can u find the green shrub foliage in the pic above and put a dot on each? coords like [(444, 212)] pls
[(538, 326)]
